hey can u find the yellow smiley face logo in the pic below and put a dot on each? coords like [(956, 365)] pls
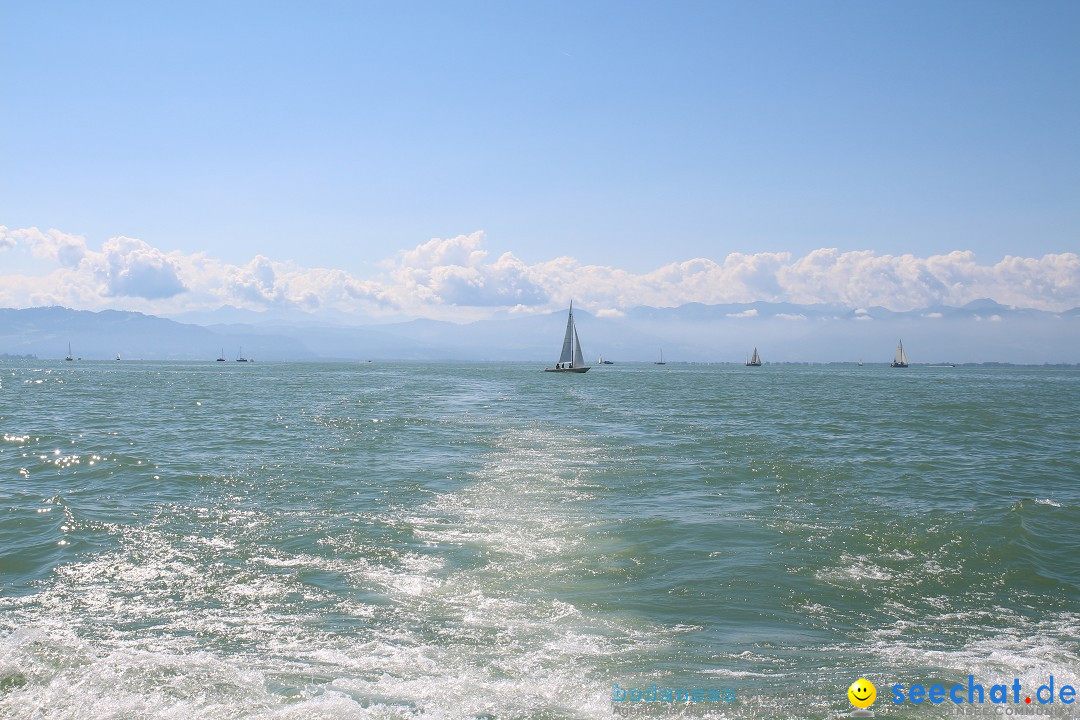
[(862, 693)]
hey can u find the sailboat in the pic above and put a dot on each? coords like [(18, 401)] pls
[(570, 359), (661, 360), (602, 361), (900, 361), (69, 358), (755, 360), (222, 356), (240, 357), (117, 357)]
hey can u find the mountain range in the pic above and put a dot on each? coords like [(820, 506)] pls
[(981, 331)]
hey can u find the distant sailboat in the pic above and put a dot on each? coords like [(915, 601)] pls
[(900, 361), (860, 362), (117, 357), (240, 357), (661, 360), (755, 360), (222, 357), (602, 361), (570, 359), (69, 358)]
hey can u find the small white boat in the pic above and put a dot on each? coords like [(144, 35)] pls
[(900, 361), (117, 357), (571, 358), (755, 360), (68, 358)]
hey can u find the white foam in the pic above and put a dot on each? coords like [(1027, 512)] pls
[(179, 624)]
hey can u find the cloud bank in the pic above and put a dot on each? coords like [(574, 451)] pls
[(457, 278)]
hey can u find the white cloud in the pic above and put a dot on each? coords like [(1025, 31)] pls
[(791, 316), (67, 250), (453, 272), (7, 240), (456, 278), (610, 313), (131, 268), (752, 312), (933, 315)]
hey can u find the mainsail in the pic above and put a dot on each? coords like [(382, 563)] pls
[(567, 354)]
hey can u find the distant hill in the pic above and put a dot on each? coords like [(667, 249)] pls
[(981, 331), (46, 332)]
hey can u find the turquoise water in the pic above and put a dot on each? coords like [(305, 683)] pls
[(479, 540)]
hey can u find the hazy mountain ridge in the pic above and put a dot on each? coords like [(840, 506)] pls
[(980, 331), (46, 332)]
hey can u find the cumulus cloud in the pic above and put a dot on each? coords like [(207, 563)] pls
[(454, 272), (457, 278), (67, 250), (752, 312), (132, 268)]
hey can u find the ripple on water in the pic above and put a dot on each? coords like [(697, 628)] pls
[(406, 542)]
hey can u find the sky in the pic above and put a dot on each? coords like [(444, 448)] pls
[(452, 159)]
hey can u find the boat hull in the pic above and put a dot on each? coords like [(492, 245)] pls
[(898, 365), (570, 370)]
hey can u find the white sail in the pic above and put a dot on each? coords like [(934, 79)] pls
[(567, 354), (579, 361), (756, 359), (901, 357)]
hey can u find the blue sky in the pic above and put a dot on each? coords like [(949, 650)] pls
[(627, 135)]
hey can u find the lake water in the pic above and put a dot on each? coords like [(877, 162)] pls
[(392, 540)]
